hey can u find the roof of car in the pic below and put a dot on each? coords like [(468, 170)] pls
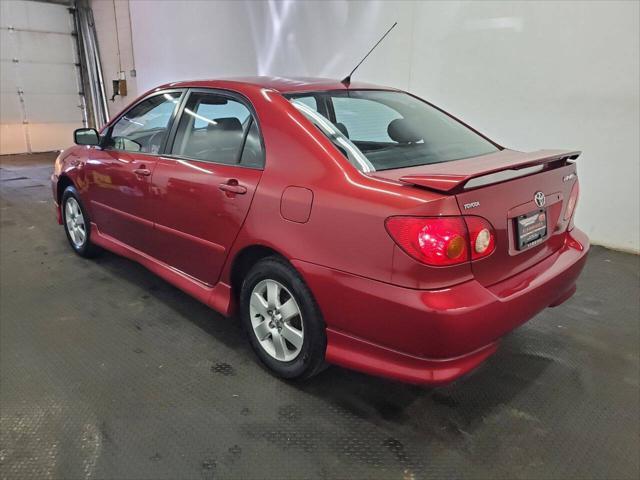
[(280, 84)]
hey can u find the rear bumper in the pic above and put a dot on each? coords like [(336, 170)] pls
[(434, 336)]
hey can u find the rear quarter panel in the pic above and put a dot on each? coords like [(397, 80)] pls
[(345, 229)]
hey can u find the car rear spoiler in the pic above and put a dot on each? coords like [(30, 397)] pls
[(450, 177)]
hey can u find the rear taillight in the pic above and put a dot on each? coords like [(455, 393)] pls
[(442, 241), (572, 202), (437, 241), (482, 237)]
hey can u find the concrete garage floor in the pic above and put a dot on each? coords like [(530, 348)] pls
[(108, 371)]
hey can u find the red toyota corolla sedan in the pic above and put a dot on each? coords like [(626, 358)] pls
[(354, 225)]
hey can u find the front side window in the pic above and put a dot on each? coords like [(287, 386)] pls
[(382, 130), (145, 127), (213, 128)]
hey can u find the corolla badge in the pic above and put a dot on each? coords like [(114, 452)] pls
[(540, 199)]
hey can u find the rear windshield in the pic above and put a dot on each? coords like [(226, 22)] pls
[(381, 130)]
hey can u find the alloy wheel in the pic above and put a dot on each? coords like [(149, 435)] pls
[(75, 222), (276, 320)]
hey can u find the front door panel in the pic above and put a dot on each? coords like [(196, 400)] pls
[(120, 195), (120, 188)]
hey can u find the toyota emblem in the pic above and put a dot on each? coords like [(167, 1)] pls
[(540, 199)]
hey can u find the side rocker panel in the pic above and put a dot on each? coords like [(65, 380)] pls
[(217, 297)]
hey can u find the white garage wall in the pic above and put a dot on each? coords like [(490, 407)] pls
[(547, 74), (529, 74)]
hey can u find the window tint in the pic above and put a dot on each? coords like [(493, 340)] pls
[(212, 127), (212, 110), (145, 126), (364, 120), (308, 101), (252, 154), (381, 130)]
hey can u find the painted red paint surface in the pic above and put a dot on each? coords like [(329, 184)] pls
[(386, 313)]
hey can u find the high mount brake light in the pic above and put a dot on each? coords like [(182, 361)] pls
[(442, 241)]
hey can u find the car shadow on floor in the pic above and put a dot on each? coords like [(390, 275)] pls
[(456, 409), (186, 307), (459, 407)]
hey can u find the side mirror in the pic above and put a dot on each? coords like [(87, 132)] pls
[(86, 136)]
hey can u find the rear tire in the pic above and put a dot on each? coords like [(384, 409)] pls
[(77, 224), (282, 321)]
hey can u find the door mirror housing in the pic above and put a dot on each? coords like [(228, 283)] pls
[(86, 136)]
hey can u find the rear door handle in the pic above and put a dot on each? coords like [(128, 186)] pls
[(232, 186), (145, 172)]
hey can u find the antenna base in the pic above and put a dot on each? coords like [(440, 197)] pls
[(346, 81)]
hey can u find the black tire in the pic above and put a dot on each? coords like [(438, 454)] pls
[(85, 249), (310, 359)]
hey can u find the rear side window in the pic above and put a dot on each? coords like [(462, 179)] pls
[(252, 153), (213, 128), (144, 127)]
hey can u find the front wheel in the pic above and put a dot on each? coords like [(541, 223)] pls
[(76, 224), (281, 320)]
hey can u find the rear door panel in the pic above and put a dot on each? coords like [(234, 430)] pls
[(202, 193), (195, 221)]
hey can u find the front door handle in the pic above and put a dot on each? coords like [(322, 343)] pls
[(233, 187), (145, 172)]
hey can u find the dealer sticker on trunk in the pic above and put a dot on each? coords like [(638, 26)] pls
[(532, 229)]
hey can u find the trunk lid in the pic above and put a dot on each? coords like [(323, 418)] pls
[(501, 187)]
